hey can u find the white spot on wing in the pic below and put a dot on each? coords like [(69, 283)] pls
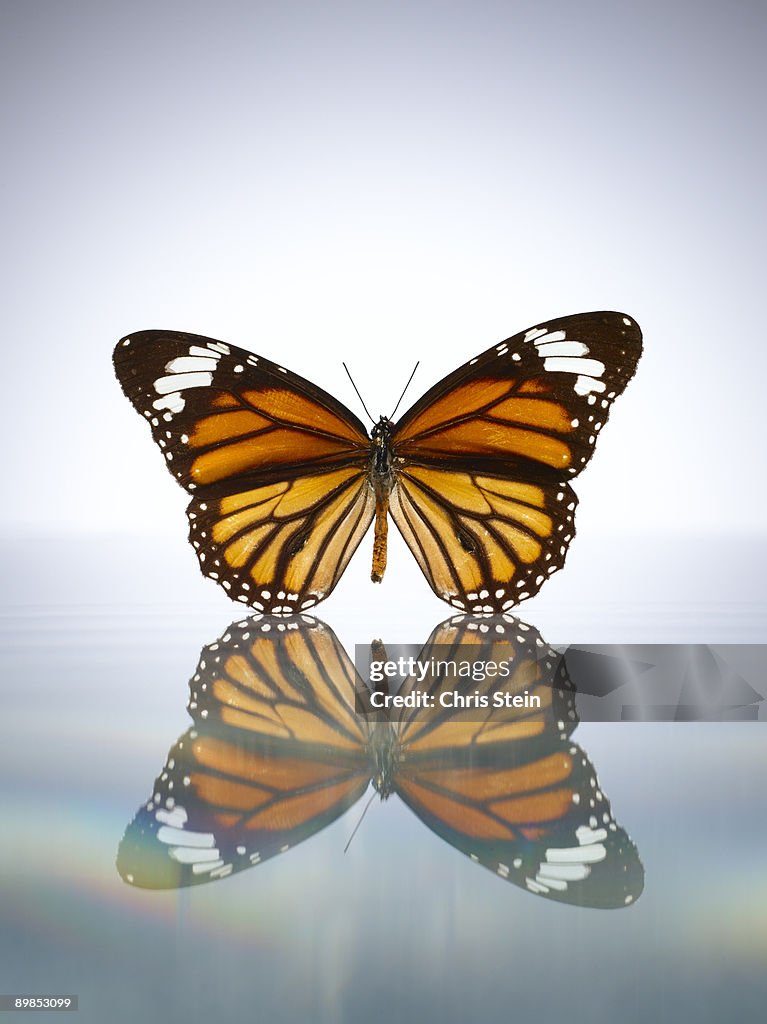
[(535, 332), (563, 872), (586, 835), (206, 353), (585, 385), (190, 364), (174, 402), (558, 364), (534, 886), (548, 337), (179, 381), (174, 818), (558, 884), (190, 855), (569, 349), (201, 866), (202, 841), (576, 854)]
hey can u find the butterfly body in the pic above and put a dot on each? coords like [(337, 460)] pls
[(382, 481), (382, 462), (285, 480), (384, 753)]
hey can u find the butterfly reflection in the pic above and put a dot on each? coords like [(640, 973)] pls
[(279, 749)]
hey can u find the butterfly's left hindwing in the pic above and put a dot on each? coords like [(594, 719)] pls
[(276, 466), (484, 543)]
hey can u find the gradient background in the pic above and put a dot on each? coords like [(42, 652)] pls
[(375, 183)]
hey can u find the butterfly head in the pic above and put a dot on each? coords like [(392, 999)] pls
[(382, 430)]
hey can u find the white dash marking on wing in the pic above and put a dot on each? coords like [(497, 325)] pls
[(534, 333), (190, 364), (558, 364), (174, 402), (199, 866), (205, 353), (180, 381), (570, 349), (584, 385)]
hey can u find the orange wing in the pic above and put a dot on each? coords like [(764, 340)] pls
[(521, 665), (506, 786), (543, 823), (275, 755), (277, 467), (483, 458), (484, 543)]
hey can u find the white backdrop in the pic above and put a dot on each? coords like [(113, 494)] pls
[(376, 184)]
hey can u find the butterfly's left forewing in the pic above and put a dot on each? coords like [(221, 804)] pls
[(533, 403), (277, 467), (483, 459)]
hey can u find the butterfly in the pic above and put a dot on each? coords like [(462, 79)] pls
[(279, 749), (285, 480)]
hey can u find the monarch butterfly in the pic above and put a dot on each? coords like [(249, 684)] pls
[(285, 480), (277, 752)]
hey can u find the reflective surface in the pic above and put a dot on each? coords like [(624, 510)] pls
[(402, 926), (286, 738)]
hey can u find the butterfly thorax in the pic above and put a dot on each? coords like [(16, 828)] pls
[(381, 478), (381, 463)]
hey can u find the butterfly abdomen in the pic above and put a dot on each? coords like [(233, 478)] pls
[(379, 543), (382, 481)]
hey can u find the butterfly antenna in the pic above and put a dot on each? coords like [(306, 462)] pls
[(354, 833), (358, 394), (404, 389)]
